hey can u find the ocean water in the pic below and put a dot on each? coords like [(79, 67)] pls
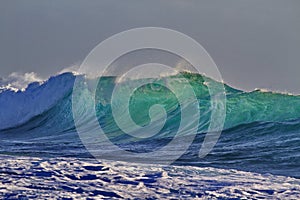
[(42, 156)]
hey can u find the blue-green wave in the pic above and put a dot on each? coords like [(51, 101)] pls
[(261, 129)]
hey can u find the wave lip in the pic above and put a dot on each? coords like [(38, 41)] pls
[(17, 107)]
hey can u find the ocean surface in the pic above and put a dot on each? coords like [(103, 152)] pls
[(42, 156)]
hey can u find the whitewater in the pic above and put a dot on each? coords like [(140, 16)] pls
[(42, 156)]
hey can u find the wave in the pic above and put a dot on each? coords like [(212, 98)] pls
[(19, 107), (261, 130)]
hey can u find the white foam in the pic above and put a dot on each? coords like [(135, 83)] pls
[(82, 178)]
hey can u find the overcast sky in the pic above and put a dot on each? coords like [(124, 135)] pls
[(255, 43)]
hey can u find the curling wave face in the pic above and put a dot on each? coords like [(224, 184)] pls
[(261, 131)]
